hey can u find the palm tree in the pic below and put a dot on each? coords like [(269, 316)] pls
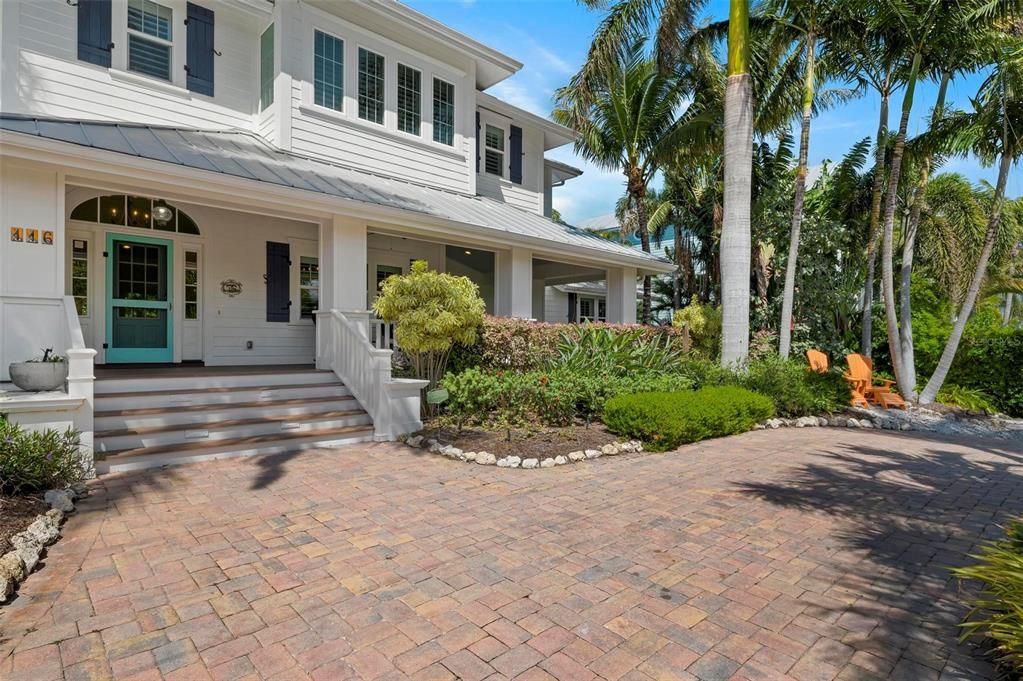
[(992, 130), (628, 119), (805, 22), (736, 249)]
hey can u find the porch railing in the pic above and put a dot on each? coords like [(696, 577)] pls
[(81, 380), (343, 346), (381, 334)]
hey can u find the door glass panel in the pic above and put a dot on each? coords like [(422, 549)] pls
[(140, 269)]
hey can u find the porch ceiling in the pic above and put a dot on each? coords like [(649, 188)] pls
[(244, 155)]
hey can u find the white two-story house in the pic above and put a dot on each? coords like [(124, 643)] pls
[(193, 190)]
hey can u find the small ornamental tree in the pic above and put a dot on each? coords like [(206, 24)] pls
[(432, 311)]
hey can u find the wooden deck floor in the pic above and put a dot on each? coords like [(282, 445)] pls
[(193, 369)]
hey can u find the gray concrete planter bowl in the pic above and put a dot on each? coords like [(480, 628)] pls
[(38, 376)]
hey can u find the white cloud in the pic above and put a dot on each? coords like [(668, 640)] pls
[(594, 193), (517, 94)]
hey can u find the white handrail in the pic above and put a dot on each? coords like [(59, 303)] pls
[(343, 345), (81, 382)]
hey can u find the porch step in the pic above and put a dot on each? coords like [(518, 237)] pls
[(177, 399), (116, 419), (210, 431), (151, 457), (184, 378), (157, 417)]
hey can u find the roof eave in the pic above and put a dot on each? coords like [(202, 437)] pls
[(130, 168)]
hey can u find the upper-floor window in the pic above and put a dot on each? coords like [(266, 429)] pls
[(410, 99), (493, 155), (443, 112), (371, 86), (266, 68), (149, 38), (329, 71)]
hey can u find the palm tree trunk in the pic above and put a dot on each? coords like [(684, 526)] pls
[(1007, 310), (789, 293), (887, 267), (735, 230), (909, 247), (930, 391), (676, 293), (644, 242), (866, 328)]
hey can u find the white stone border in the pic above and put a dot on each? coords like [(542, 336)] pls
[(487, 459), (17, 565)]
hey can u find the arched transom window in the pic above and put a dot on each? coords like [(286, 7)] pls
[(135, 211)]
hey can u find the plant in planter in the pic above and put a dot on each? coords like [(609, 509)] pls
[(42, 373)]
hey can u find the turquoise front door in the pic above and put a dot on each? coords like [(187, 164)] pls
[(139, 317)]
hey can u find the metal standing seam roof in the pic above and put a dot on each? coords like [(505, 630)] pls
[(243, 154)]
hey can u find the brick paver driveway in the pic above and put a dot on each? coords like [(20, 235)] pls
[(806, 554)]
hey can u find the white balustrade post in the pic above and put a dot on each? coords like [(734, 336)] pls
[(81, 383), (324, 338)]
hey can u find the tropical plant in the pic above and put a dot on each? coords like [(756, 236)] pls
[(996, 615), (628, 118), (704, 325), (432, 312), (33, 461), (991, 131), (603, 351)]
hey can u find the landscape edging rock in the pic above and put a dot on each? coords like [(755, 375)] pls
[(29, 544), (484, 458)]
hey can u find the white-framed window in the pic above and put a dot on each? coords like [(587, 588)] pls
[(80, 275), (493, 150), (371, 86), (308, 285), (410, 99), (586, 309), (266, 68), (443, 112), (150, 38), (328, 71), (191, 285)]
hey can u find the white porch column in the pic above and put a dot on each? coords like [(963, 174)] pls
[(343, 264), (342, 278), (621, 295), (514, 283)]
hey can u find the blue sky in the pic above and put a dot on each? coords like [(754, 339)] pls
[(551, 37)]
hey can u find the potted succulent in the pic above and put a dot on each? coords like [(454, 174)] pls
[(42, 373)]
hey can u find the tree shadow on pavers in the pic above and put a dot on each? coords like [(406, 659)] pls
[(901, 519), (271, 467)]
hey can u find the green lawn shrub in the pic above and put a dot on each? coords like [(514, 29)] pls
[(794, 389), (666, 420), (33, 461), (996, 616)]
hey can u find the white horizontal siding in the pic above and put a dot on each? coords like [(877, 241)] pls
[(358, 146), (529, 194), (50, 81)]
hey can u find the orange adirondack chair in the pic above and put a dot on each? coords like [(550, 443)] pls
[(861, 369), (818, 361)]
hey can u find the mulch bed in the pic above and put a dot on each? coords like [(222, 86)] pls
[(17, 513), (540, 443)]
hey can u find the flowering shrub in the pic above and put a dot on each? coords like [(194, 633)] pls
[(524, 345), (32, 461)]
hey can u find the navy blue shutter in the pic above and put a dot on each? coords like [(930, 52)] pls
[(94, 32), (199, 53), (572, 299), (477, 141), (515, 150), (278, 282)]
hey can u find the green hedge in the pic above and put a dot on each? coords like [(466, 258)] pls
[(554, 398), (664, 420)]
